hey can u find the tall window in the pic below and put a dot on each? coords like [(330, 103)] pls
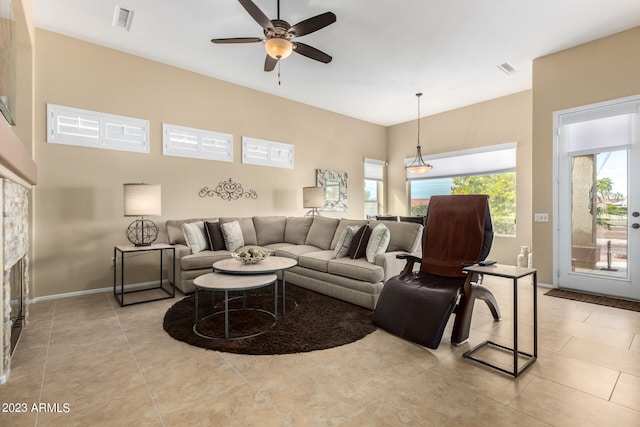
[(487, 170), (373, 187)]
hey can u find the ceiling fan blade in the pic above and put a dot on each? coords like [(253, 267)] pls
[(310, 25), (237, 40), (270, 63), (311, 52), (256, 14)]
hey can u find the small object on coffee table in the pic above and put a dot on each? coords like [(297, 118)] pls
[(250, 256)]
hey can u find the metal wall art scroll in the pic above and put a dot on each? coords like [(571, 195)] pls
[(335, 189), (228, 190)]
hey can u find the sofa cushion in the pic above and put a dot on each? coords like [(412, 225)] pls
[(294, 251), (321, 232), (214, 235), (359, 269), (405, 236), (204, 259), (344, 222), (296, 230), (195, 236), (174, 229), (358, 248), (275, 246), (378, 242), (269, 229), (344, 241), (233, 237), (247, 227), (318, 260)]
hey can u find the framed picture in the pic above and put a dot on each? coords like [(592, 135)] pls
[(335, 189)]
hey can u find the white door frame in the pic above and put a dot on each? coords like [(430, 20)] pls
[(556, 172)]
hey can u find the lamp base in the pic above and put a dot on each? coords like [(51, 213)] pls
[(142, 232), (313, 212)]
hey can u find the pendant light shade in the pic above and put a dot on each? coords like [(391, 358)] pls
[(418, 165)]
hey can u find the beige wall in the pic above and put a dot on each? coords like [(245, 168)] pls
[(506, 119), (78, 200), (605, 69), (78, 203)]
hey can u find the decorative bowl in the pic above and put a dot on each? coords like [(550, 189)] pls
[(250, 256)]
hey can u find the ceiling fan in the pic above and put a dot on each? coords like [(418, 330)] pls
[(279, 35)]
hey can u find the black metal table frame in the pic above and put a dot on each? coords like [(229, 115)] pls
[(226, 310), (273, 270), (120, 295), (516, 353)]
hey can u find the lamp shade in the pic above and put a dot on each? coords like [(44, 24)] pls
[(313, 197), (278, 47), (142, 200)]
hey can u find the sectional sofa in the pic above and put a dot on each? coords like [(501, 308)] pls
[(311, 241)]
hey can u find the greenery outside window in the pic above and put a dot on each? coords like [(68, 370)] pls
[(488, 170)]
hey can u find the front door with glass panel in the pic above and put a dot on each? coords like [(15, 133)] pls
[(598, 214)]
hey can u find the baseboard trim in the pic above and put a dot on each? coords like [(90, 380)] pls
[(94, 291)]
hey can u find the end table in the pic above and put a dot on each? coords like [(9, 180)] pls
[(128, 250), (513, 273)]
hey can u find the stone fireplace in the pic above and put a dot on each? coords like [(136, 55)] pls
[(15, 263), (17, 301)]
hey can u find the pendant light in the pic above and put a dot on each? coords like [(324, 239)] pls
[(418, 165)]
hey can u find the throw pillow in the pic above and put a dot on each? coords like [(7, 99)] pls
[(358, 248), (232, 234), (214, 234), (321, 232), (378, 242), (344, 241), (195, 236)]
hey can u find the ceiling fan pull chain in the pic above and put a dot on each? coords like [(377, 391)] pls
[(279, 73)]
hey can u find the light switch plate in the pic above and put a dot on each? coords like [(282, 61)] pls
[(541, 217)]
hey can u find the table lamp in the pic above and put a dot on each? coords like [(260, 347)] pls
[(142, 200), (313, 197)]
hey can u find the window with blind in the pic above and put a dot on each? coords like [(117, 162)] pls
[(182, 141), (267, 153), (85, 128), (373, 187), (486, 170)]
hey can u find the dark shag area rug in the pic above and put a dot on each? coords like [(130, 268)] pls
[(595, 299), (312, 322)]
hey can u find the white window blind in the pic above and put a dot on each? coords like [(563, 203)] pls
[(374, 169), (266, 153), (604, 128), (491, 159), (85, 128), (182, 141)]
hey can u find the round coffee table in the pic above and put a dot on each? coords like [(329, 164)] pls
[(229, 282), (270, 264)]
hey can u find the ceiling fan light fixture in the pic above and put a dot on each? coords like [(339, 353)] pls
[(418, 165), (278, 47)]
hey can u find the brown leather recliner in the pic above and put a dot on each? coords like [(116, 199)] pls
[(417, 305)]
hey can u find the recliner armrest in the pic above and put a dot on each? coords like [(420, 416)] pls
[(411, 260)]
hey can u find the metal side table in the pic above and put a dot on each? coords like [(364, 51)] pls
[(124, 250), (513, 273)]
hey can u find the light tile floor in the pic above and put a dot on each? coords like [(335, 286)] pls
[(107, 365)]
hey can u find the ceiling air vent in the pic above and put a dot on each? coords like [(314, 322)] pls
[(507, 68), (122, 18)]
